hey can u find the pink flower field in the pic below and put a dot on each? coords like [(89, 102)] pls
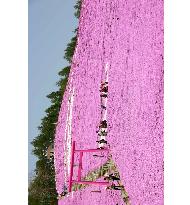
[(126, 39), (87, 197)]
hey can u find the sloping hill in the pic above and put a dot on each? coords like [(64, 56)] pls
[(127, 36)]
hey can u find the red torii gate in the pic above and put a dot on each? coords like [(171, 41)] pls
[(71, 181)]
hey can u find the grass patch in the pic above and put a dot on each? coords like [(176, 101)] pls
[(108, 167)]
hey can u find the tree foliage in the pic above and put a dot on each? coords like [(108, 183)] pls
[(77, 8), (42, 187), (69, 51)]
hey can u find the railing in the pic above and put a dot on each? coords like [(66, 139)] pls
[(71, 181)]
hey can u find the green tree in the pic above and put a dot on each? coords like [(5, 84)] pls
[(41, 189), (69, 51), (77, 8)]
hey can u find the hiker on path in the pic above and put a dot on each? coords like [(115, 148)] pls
[(60, 196), (111, 177), (103, 107), (104, 89), (102, 141), (103, 124), (103, 133), (114, 187), (103, 84), (103, 95), (101, 146), (102, 138)]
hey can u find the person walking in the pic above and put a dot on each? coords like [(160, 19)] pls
[(103, 84), (103, 95), (111, 177), (103, 133), (104, 89), (61, 196), (103, 107), (102, 141), (114, 187), (103, 124), (100, 146)]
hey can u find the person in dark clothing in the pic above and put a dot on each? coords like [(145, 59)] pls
[(104, 95), (60, 196), (113, 186), (103, 124), (65, 188), (103, 107), (104, 89), (64, 193), (103, 133), (103, 84), (102, 141), (98, 131), (111, 177)]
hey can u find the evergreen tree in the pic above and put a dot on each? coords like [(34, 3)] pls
[(42, 189)]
